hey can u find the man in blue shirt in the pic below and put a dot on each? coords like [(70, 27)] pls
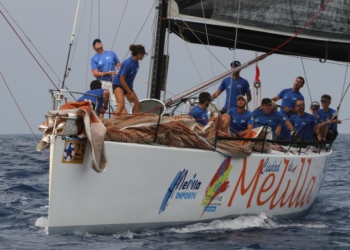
[(103, 65), (240, 118), (304, 123), (266, 116), (200, 111), (326, 114), (234, 86), (289, 97), (102, 96)]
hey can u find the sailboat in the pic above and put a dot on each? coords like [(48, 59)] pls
[(152, 185)]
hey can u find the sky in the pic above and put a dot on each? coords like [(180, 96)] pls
[(47, 27)]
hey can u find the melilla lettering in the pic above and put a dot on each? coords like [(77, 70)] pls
[(192, 184), (271, 167), (294, 194)]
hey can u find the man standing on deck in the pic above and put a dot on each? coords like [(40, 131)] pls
[(234, 86), (238, 119), (103, 65), (289, 97)]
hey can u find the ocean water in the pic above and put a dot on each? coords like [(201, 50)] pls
[(24, 207)]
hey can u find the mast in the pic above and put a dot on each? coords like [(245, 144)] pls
[(71, 43), (159, 59)]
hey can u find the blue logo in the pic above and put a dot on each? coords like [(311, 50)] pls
[(185, 189), (68, 152), (210, 209)]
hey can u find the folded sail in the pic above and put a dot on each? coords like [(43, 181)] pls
[(263, 25)]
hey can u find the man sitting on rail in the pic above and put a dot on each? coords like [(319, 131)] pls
[(266, 116), (238, 119), (200, 111), (304, 123)]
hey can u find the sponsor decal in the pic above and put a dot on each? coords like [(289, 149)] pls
[(269, 167), (276, 191), (217, 186), (185, 189), (74, 152)]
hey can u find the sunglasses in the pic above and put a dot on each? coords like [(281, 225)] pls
[(301, 105)]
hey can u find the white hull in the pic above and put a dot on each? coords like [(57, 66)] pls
[(135, 190)]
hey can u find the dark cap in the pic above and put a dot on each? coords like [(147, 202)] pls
[(142, 51), (326, 98), (204, 96), (236, 63), (241, 97), (266, 101), (96, 41), (315, 105)]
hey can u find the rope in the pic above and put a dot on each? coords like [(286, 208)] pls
[(14, 99), (77, 37), (29, 50), (149, 13), (194, 63), (206, 32), (234, 55), (301, 59), (196, 37), (88, 49), (121, 19), (59, 80)]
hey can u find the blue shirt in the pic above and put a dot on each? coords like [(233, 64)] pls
[(288, 100), (98, 92), (104, 62), (239, 87), (239, 122), (200, 115), (273, 119), (128, 69), (325, 116), (285, 133), (304, 125)]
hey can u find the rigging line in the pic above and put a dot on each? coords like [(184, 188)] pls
[(121, 20), (29, 51), (301, 59), (234, 55), (32, 43), (206, 32), (167, 57), (144, 23), (175, 11), (194, 63), (138, 79), (208, 83), (346, 72), (88, 52), (76, 42), (14, 99)]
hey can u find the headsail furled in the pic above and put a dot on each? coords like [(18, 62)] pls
[(264, 25)]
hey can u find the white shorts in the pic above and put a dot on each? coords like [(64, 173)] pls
[(109, 86)]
